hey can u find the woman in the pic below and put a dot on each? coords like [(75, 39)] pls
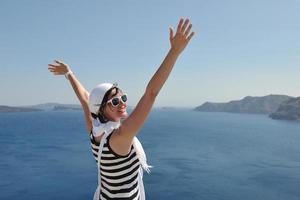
[(118, 153)]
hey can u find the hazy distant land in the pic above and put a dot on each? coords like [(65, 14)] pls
[(288, 110), (56, 106), (40, 107), (10, 109), (276, 106), (255, 105)]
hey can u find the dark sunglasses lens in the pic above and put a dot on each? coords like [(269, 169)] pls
[(115, 101), (124, 98)]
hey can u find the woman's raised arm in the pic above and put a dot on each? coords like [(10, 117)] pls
[(134, 122), (61, 68)]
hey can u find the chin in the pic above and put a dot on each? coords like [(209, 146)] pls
[(120, 116), (124, 115)]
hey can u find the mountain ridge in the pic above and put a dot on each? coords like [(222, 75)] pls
[(249, 104)]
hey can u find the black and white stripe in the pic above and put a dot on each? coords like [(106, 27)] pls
[(119, 174)]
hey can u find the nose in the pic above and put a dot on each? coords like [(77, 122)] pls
[(122, 104)]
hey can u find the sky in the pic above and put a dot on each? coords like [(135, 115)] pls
[(241, 48)]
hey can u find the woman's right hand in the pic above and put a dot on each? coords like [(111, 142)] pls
[(59, 68), (183, 35)]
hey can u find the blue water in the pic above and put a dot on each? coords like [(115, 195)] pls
[(196, 155)]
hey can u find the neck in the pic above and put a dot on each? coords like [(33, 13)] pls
[(103, 119)]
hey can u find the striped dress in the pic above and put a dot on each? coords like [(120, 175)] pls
[(119, 174)]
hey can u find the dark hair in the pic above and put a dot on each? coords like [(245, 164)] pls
[(101, 116)]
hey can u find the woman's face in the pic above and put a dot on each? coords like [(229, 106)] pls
[(118, 112)]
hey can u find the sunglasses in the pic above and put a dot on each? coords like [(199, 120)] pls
[(115, 101)]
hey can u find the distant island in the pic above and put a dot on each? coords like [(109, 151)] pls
[(288, 110), (10, 109), (56, 106), (69, 108), (40, 107), (254, 105)]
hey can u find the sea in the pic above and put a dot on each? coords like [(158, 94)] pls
[(195, 156)]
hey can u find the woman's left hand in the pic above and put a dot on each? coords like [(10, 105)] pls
[(182, 36), (59, 68)]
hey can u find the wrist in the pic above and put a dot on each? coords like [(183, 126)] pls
[(68, 73), (174, 52)]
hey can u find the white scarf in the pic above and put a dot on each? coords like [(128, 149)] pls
[(106, 129)]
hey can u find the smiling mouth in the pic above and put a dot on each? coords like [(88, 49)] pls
[(122, 111)]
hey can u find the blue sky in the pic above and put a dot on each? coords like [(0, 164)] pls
[(240, 48)]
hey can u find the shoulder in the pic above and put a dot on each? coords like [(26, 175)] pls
[(95, 140), (118, 144)]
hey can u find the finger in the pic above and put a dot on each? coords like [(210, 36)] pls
[(51, 70), (190, 36), (52, 66), (179, 25), (59, 62), (171, 33), (188, 30), (186, 22)]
